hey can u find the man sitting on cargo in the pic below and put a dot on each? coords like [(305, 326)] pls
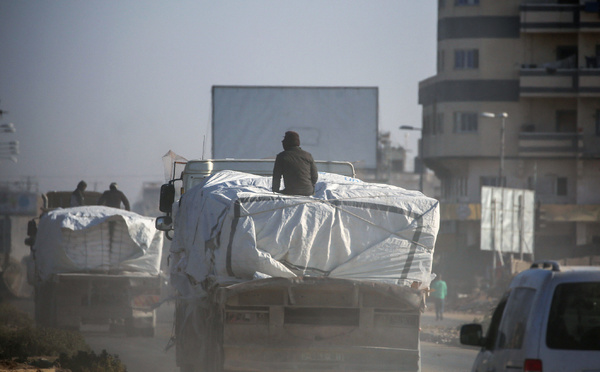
[(77, 196), (296, 166), (113, 197)]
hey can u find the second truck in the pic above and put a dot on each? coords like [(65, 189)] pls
[(271, 282), (95, 265)]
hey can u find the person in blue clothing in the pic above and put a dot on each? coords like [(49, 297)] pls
[(439, 292)]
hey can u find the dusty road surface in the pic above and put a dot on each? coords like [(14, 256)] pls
[(440, 349), (139, 354), (445, 358), (440, 353), (439, 346)]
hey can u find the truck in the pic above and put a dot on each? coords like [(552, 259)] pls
[(16, 208), (95, 265), (270, 282)]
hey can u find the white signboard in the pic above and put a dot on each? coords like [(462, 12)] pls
[(507, 220), (334, 123)]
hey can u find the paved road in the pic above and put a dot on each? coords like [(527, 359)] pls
[(437, 358), (440, 357)]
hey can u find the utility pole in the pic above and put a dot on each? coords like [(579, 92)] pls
[(419, 153)]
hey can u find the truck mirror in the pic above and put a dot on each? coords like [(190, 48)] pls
[(164, 223), (31, 228), (167, 197), (471, 334)]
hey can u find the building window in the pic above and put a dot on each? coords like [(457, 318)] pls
[(427, 124), (462, 186), (466, 2), (566, 56), (455, 187), (438, 126), (466, 59), (597, 122), (440, 61), (561, 186), (465, 122), (550, 186), (489, 181), (566, 121)]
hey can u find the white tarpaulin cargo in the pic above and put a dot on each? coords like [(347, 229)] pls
[(234, 227), (96, 239)]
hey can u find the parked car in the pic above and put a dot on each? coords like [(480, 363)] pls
[(547, 321)]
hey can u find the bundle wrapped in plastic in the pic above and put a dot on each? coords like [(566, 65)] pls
[(96, 239), (233, 227)]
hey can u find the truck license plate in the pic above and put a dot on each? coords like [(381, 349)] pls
[(321, 356)]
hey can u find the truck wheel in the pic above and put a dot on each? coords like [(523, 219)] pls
[(115, 327), (45, 306), (130, 331), (147, 332), (188, 368)]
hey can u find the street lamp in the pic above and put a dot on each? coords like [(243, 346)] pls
[(9, 148), (503, 116), (419, 155), (7, 157), (7, 128)]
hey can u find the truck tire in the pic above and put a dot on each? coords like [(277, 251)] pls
[(115, 327), (188, 368), (130, 330), (45, 305), (147, 332)]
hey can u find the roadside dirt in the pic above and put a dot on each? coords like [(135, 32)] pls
[(39, 364), (446, 331)]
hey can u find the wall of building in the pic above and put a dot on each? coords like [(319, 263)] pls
[(552, 132)]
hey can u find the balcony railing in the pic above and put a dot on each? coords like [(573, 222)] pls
[(560, 80), (533, 144), (550, 16)]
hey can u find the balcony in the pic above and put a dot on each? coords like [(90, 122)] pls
[(547, 212), (561, 79), (555, 145), (549, 16)]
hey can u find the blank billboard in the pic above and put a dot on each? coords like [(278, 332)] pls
[(334, 123), (507, 220)]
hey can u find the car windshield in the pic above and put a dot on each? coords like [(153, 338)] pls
[(574, 321)]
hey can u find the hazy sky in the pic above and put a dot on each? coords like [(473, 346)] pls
[(100, 90)]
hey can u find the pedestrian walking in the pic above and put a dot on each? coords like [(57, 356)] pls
[(439, 292)]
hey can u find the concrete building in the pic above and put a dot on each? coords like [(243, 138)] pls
[(391, 169), (533, 67)]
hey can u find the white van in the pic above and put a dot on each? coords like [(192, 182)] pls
[(547, 321)]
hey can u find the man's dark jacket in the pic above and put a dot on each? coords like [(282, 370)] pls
[(298, 170), (113, 198)]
